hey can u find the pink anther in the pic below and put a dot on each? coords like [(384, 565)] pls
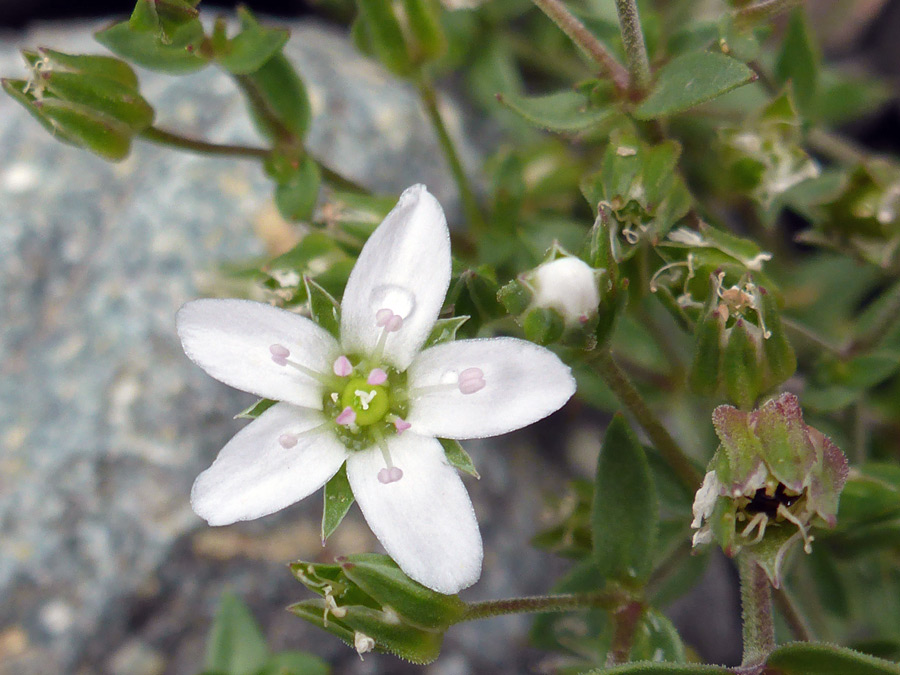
[(401, 425), (390, 474), (347, 417), (377, 376), (382, 316), (279, 354), (288, 440), (342, 366), (393, 324), (471, 380)]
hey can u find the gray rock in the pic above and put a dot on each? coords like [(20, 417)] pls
[(104, 423)]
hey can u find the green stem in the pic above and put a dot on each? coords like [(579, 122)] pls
[(836, 147), (544, 603), (756, 612), (633, 39), (810, 335), (885, 321), (792, 616), (466, 194), (250, 89), (761, 11), (625, 391), (581, 36)]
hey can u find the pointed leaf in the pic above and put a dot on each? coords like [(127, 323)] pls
[(444, 331), (323, 308), (103, 95), (247, 51), (236, 645), (146, 49), (93, 64), (625, 509), (385, 35), (458, 457), (297, 197), (564, 111), (255, 410), (798, 63), (96, 132), (338, 500), (691, 79)]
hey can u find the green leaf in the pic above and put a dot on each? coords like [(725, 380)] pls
[(656, 639), (323, 308), (385, 35), (564, 111), (295, 663), (625, 509), (17, 90), (651, 668), (256, 409), (250, 49), (798, 63), (692, 79), (236, 645), (90, 130), (297, 197), (424, 26), (805, 658), (458, 457), (278, 88), (103, 95), (90, 64), (338, 500), (444, 330), (146, 49)]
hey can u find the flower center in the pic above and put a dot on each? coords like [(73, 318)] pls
[(370, 402)]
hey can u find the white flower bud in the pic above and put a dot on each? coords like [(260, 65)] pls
[(567, 285)]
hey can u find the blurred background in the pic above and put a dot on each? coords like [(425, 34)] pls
[(104, 424)]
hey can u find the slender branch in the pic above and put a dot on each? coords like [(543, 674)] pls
[(810, 335), (753, 14), (792, 616), (633, 39), (162, 137), (756, 612), (581, 36), (625, 391), (625, 622), (836, 147), (544, 603), (663, 341), (887, 318), (466, 194), (261, 107)]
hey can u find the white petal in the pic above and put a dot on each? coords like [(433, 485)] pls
[(523, 383), (425, 520), (254, 475), (230, 340), (404, 267)]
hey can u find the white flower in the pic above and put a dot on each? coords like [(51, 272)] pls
[(372, 400), (568, 285)]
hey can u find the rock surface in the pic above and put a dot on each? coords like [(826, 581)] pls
[(104, 423)]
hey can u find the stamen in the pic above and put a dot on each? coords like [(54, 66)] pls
[(391, 323), (279, 354), (382, 316), (342, 366), (471, 380), (376, 377), (400, 424), (347, 417), (365, 397), (391, 473), (288, 440), (787, 515)]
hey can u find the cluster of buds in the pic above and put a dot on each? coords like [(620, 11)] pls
[(88, 101), (770, 481), (741, 350), (369, 603), (559, 298)]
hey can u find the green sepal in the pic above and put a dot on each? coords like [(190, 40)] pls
[(236, 645), (817, 658), (444, 330), (413, 644), (338, 500), (105, 96), (98, 65), (781, 361), (313, 611), (296, 198), (164, 17), (543, 325), (625, 513), (787, 448), (458, 457), (563, 112), (323, 308), (740, 366), (427, 38), (250, 49), (16, 89), (255, 410), (384, 35), (743, 451), (707, 361), (515, 296), (691, 79), (380, 577), (90, 130), (181, 55)]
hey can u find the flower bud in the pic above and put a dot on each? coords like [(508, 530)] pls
[(369, 603), (771, 480)]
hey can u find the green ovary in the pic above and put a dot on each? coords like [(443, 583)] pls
[(370, 402)]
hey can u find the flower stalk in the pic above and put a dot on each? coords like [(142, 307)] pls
[(564, 602), (635, 48), (756, 612), (761, 11)]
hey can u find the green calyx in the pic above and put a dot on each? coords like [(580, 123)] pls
[(370, 402)]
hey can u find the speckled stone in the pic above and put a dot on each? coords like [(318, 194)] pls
[(104, 423)]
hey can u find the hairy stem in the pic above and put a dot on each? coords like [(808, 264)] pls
[(756, 612), (625, 622), (633, 39), (581, 36), (753, 14), (466, 194), (625, 391), (544, 603)]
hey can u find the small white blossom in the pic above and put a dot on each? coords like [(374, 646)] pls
[(568, 285), (374, 399)]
